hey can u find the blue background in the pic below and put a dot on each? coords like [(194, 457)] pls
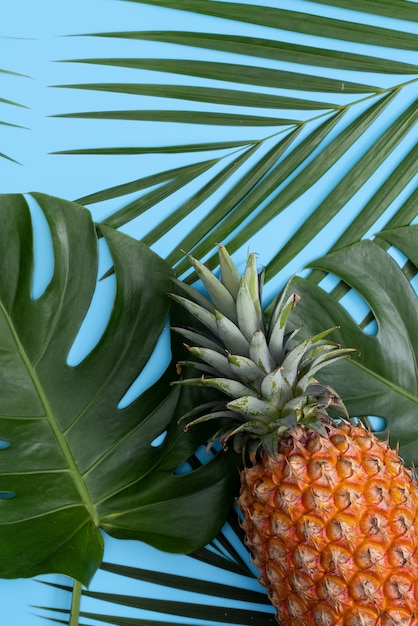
[(34, 37)]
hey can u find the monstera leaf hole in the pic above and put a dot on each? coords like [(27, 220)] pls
[(99, 311), (4, 444), (398, 256), (42, 249), (377, 423), (405, 264), (381, 379), (200, 457), (153, 370), (352, 301), (158, 441), (101, 305), (7, 495)]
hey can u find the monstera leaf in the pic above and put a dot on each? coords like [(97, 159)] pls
[(382, 379), (74, 460)]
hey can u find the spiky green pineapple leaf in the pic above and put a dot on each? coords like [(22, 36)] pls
[(382, 380), (74, 460)]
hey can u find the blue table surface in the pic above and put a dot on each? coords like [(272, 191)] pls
[(32, 38)]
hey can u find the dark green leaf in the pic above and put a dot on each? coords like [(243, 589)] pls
[(187, 584), (223, 97), (190, 204), (230, 616), (49, 409), (184, 117), (271, 49), (406, 213), (391, 187), (382, 380), (230, 209), (396, 9), (352, 181), (202, 147), (17, 104), (4, 156), (173, 179), (189, 610), (312, 172), (77, 462), (293, 21), (238, 73)]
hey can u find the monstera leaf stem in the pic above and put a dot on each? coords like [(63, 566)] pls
[(75, 604)]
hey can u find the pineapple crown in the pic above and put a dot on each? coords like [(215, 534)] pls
[(266, 376)]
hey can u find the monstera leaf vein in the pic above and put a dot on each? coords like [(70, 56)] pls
[(59, 435), (388, 383)]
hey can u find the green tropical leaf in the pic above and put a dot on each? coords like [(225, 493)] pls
[(231, 72), (190, 610), (310, 172), (13, 103), (382, 380), (263, 163), (270, 49), (291, 20), (222, 556), (223, 97), (203, 147), (397, 9), (74, 459), (318, 119), (350, 184), (162, 185), (184, 117)]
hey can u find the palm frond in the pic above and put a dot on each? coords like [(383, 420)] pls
[(5, 77), (280, 119), (396, 9), (272, 113), (285, 19), (240, 602)]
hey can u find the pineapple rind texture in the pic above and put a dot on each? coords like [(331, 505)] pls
[(332, 524), (329, 511)]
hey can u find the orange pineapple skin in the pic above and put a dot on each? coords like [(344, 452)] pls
[(332, 525)]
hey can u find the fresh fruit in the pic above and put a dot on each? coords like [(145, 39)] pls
[(329, 510)]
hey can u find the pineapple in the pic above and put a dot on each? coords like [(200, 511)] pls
[(329, 510)]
